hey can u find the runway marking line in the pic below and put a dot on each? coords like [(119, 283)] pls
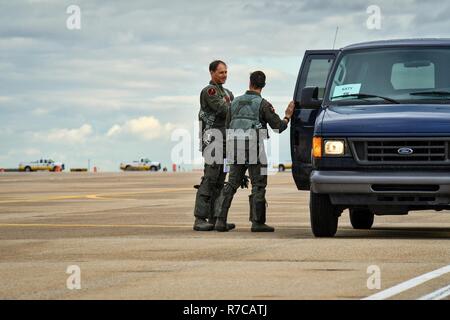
[(404, 286), (97, 196), (62, 225), (438, 294), (53, 225)]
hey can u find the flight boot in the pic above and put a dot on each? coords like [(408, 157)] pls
[(201, 224)]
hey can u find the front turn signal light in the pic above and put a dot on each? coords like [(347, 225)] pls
[(317, 147)]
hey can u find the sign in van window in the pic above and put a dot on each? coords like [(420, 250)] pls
[(347, 89)]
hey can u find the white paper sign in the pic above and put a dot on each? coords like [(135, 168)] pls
[(346, 89)]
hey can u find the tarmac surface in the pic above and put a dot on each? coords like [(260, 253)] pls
[(131, 236)]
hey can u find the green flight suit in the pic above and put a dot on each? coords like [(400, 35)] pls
[(257, 171), (215, 102)]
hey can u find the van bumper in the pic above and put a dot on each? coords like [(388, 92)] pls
[(355, 182)]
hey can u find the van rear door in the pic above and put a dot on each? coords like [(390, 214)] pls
[(313, 72)]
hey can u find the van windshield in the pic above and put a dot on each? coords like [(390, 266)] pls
[(403, 75)]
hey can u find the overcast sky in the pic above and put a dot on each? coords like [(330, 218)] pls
[(115, 89)]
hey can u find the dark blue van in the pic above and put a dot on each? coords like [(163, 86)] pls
[(371, 131)]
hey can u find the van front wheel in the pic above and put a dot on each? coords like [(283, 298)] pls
[(324, 216)]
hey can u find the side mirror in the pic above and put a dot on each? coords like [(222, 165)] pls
[(309, 98)]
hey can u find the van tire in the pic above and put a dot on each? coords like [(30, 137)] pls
[(324, 216), (361, 218), (281, 168), (27, 169)]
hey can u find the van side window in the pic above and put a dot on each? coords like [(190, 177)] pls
[(318, 74)]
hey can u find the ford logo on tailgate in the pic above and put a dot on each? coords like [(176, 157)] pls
[(405, 151)]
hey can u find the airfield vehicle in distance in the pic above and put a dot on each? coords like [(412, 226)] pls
[(371, 131), (143, 164), (41, 165)]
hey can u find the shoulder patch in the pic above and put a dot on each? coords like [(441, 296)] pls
[(212, 92), (271, 108)]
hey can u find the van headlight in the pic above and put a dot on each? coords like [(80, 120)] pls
[(334, 147)]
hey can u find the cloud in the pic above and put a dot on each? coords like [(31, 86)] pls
[(175, 100), (5, 99), (128, 61), (31, 152), (116, 100), (40, 111), (115, 130), (64, 136), (21, 154), (145, 128)]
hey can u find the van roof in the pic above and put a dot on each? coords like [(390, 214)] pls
[(399, 43)]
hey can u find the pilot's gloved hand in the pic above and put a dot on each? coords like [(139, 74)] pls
[(244, 182), (197, 186)]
